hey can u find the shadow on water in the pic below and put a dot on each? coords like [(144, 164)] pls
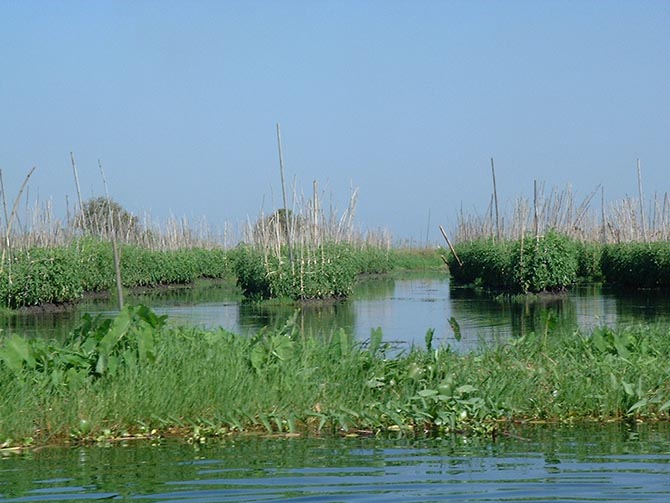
[(586, 463)]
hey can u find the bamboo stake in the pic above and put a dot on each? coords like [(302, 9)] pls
[(4, 200), (115, 250), (76, 182), (495, 199), (451, 247), (535, 218), (283, 191), (603, 234), (639, 187), (7, 251)]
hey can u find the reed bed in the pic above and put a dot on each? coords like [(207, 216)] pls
[(110, 380)]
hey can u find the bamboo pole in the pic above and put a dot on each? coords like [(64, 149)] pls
[(639, 188), (451, 247), (283, 192), (603, 233), (495, 199), (7, 251), (535, 217), (76, 182), (115, 250)]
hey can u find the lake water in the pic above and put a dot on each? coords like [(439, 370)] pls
[(599, 463), (405, 308)]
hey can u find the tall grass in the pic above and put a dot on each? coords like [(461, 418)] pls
[(135, 375)]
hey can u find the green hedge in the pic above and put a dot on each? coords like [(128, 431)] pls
[(328, 271), (549, 263), (555, 262), (639, 265), (58, 275)]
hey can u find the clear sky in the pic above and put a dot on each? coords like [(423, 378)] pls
[(405, 100)]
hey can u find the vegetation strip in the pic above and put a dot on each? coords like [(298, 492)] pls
[(554, 262), (135, 375)]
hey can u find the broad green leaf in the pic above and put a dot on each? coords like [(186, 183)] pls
[(628, 388), (258, 357), (145, 346), (117, 331), (282, 347), (17, 352), (639, 404)]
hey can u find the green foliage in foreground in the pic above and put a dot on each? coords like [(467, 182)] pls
[(43, 275), (135, 375)]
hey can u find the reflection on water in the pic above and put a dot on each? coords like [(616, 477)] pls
[(405, 308), (602, 463)]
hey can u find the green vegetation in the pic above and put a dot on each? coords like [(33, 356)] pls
[(416, 258), (326, 272), (136, 375), (553, 262), (62, 274), (41, 275), (645, 265), (549, 263)]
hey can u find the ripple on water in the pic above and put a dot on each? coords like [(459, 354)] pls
[(576, 464)]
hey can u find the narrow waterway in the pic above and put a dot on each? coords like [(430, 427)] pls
[(404, 308)]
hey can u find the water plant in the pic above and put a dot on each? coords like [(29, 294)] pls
[(136, 375)]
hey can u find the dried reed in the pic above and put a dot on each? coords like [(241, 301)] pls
[(559, 210)]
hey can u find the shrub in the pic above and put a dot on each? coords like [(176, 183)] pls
[(548, 263), (61, 274), (589, 261), (327, 271), (484, 263), (40, 275), (644, 265)]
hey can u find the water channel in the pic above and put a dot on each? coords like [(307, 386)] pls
[(404, 307), (615, 462), (599, 463)]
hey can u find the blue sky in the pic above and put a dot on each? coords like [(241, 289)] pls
[(405, 100)]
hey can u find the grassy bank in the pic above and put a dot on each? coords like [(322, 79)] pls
[(134, 375)]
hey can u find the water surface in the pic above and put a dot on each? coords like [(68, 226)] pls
[(597, 463), (405, 308)]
